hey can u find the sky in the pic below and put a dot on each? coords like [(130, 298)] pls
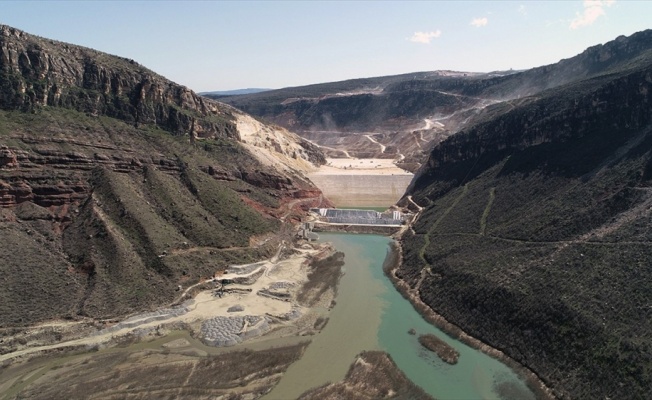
[(225, 45)]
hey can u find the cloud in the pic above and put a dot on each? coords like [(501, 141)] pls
[(593, 9), (478, 22), (425, 37), (522, 10)]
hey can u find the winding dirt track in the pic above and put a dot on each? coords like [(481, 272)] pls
[(382, 146), (204, 306)]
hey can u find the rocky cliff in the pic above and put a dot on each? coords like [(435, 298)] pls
[(535, 231), (118, 186), (36, 72), (617, 55)]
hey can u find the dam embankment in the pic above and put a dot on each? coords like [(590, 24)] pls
[(369, 182), (362, 190)]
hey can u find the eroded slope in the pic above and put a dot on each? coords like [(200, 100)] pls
[(118, 186)]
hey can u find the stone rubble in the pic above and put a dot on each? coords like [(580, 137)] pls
[(229, 331)]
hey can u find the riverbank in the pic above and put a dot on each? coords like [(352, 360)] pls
[(253, 328), (353, 322), (373, 375), (370, 315), (393, 263), (171, 366), (259, 303)]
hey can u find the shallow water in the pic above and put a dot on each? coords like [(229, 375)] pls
[(372, 315), (352, 327)]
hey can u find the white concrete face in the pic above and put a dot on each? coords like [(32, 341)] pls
[(361, 190)]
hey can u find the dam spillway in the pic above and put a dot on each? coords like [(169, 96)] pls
[(361, 183), (358, 217)]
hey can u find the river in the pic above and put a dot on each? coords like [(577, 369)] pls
[(371, 315)]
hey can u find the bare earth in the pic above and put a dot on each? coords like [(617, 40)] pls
[(284, 277), (360, 166)]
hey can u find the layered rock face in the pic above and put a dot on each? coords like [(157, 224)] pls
[(117, 186), (30, 175), (535, 234), (41, 72)]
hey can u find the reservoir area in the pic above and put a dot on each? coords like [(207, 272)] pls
[(371, 315)]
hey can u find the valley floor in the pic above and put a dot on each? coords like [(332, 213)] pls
[(259, 307)]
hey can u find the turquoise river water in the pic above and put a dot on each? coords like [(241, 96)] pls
[(371, 315)]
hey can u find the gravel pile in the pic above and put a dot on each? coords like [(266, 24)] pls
[(282, 294), (281, 285), (294, 313), (228, 331), (251, 279), (235, 308)]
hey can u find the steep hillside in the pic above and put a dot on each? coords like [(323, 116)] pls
[(410, 113), (117, 185), (36, 72), (340, 115), (535, 233)]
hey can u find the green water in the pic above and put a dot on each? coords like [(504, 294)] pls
[(379, 209), (369, 306), (352, 326)]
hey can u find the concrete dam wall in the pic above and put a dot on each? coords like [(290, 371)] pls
[(361, 190)]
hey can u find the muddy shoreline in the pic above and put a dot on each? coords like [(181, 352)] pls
[(271, 334), (532, 380), (445, 352), (268, 304)]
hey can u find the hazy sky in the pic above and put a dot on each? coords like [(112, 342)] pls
[(219, 45)]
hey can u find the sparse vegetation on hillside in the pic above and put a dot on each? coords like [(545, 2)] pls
[(533, 233), (118, 187), (411, 113), (145, 203), (46, 73)]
